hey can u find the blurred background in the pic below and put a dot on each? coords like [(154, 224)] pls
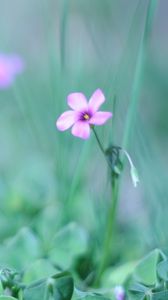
[(49, 179)]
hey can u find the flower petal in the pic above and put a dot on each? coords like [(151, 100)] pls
[(77, 101), (66, 120), (16, 64), (100, 117), (5, 79), (81, 129), (96, 100)]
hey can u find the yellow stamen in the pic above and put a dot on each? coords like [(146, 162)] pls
[(86, 116)]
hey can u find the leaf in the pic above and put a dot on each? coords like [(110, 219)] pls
[(138, 291), (163, 295), (118, 275), (162, 269), (40, 269), (146, 271), (19, 251), (57, 287), (36, 291), (88, 296), (137, 287), (64, 286), (137, 296), (68, 244)]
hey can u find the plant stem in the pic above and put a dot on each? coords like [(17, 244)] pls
[(101, 147), (98, 141), (109, 233), (110, 220)]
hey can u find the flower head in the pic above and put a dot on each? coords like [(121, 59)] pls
[(84, 114), (10, 66)]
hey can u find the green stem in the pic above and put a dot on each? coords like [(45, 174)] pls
[(101, 147), (106, 250), (98, 141), (109, 233)]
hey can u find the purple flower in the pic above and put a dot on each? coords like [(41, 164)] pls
[(119, 292), (84, 114), (10, 66)]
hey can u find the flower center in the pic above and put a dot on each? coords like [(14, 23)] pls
[(86, 117)]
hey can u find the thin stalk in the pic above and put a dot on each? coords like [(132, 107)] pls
[(109, 232), (99, 142), (101, 147), (110, 219)]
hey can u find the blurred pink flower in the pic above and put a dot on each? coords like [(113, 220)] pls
[(10, 66), (84, 114), (119, 292)]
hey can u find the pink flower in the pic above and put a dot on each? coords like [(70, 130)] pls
[(10, 66), (84, 114), (119, 292)]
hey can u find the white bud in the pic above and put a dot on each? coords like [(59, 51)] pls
[(133, 170)]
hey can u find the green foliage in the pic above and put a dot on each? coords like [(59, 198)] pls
[(69, 243), (23, 245), (39, 278), (146, 271), (118, 275), (38, 270), (79, 295), (149, 280), (162, 269), (59, 286)]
